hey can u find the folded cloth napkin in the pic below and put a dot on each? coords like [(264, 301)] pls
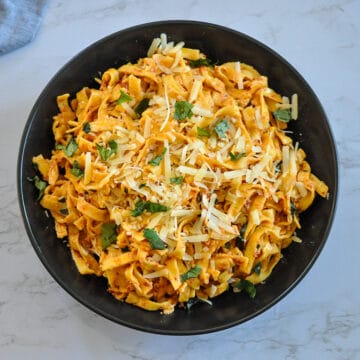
[(19, 22)]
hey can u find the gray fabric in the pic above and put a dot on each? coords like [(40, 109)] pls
[(19, 22)]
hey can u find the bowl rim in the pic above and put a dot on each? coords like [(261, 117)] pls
[(76, 295)]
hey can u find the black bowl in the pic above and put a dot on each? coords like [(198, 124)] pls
[(220, 44)]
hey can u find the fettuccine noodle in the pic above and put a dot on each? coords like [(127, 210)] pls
[(176, 179)]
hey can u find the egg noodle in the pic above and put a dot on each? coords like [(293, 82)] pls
[(176, 179)]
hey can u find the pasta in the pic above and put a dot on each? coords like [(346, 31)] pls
[(176, 179)]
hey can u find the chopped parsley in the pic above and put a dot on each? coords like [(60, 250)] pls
[(283, 115), (68, 149), (192, 273), (154, 239), (200, 62), (236, 156), (149, 206), (203, 132), (108, 235), (76, 171), (221, 128), (155, 161), (40, 185), (106, 152), (142, 106), (177, 180), (124, 97), (246, 285), (183, 110)]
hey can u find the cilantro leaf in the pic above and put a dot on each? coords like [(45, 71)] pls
[(177, 180), (142, 106), (283, 115), (192, 273), (68, 149), (183, 110), (246, 285), (221, 128), (124, 97), (86, 127), (154, 239), (200, 62), (40, 185), (76, 171), (203, 132), (106, 152), (108, 235), (149, 206), (236, 156), (157, 159)]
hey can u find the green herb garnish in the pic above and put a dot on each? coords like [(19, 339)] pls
[(183, 110), (203, 132), (192, 273), (149, 206), (139, 208), (76, 171), (177, 180), (86, 127), (221, 128), (246, 285), (154, 239), (108, 235), (200, 62), (157, 159), (68, 149), (106, 152), (283, 115), (236, 156), (124, 97), (142, 106), (40, 185)]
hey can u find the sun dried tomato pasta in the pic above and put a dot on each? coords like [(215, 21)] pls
[(176, 179)]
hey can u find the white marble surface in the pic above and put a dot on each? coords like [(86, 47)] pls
[(319, 318)]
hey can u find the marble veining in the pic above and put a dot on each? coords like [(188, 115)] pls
[(320, 318)]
